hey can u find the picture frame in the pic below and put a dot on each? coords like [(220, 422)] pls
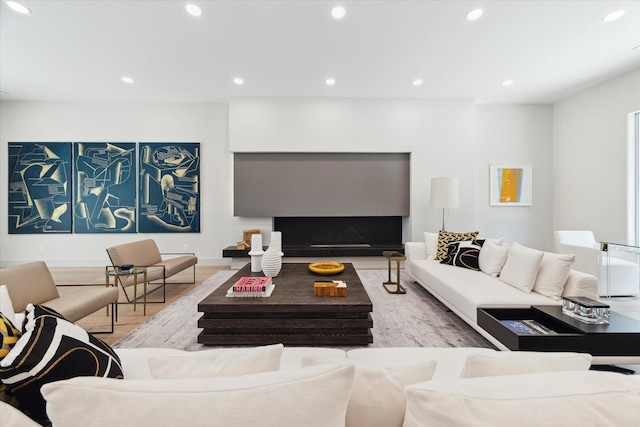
[(510, 185)]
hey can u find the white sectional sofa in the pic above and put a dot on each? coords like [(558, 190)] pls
[(325, 387), (464, 290)]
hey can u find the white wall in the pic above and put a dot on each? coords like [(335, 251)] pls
[(589, 151), (445, 137), (516, 135)]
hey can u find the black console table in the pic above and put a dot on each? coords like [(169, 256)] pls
[(618, 339)]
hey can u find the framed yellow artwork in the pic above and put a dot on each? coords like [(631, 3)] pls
[(510, 185)]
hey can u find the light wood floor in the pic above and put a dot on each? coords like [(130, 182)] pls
[(73, 279)]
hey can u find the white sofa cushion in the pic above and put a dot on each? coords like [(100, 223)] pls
[(431, 244), (553, 274), (450, 360), (521, 268), (492, 257), (377, 396), (216, 363), (571, 398), (314, 396), (6, 306), (523, 362)]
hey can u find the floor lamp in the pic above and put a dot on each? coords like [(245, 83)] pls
[(444, 194)]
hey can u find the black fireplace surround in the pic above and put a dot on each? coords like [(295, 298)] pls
[(327, 237)]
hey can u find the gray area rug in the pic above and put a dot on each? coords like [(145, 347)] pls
[(415, 319)]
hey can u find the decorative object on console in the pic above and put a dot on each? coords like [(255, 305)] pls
[(510, 185), (256, 253), (586, 310), (444, 194), (272, 257), (326, 267)]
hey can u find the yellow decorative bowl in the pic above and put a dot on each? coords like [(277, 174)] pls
[(326, 267)]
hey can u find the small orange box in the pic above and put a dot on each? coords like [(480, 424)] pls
[(330, 289)]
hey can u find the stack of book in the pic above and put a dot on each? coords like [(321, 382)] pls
[(251, 287)]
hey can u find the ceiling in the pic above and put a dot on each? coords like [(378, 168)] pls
[(79, 50)]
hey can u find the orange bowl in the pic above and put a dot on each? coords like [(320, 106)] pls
[(326, 267)]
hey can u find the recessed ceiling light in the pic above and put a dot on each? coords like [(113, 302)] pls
[(338, 12), (128, 80), (417, 82), (474, 14), (238, 81), (613, 16), (193, 10), (330, 82), (18, 7), (507, 83)]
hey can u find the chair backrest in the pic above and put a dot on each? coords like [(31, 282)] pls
[(29, 283), (575, 237), (142, 253)]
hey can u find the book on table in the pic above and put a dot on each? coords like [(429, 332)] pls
[(251, 287), (528, 327)]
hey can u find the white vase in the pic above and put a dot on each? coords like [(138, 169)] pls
[(271, 261)]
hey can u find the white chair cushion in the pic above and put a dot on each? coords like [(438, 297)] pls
[(571, 398), (316, 396), (553, 274), (521, 268)]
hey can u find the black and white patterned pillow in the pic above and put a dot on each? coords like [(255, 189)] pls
[(464, 254), (446, 237), (50, 349)]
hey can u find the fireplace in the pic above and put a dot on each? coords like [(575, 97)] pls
[(339, 236)]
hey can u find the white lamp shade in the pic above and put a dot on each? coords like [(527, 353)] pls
[(444, 193)]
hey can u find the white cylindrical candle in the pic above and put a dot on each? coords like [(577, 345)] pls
[(256, 242), (276, 240)]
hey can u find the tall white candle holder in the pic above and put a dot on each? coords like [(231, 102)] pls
[(256, 253)]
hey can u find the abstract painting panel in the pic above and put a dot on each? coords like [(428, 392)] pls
[(169, 187), (105, 187), (39, 197), (510, 185)]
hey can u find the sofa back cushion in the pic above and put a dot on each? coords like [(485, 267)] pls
[(553, 274), (571, 398), (28, 283), (523, 362), (141, 253), (315, 396), (521, 268)]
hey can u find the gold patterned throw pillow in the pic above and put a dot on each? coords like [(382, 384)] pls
[(446, 237)]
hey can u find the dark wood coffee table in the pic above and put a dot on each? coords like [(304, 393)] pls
[(292, 315)]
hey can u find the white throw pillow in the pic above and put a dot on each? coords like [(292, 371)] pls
[(377, 396), (553, 274), (217, 363), (521, 268), (6, 306), (431, 243), (316, 396), (492, 258), (570, 398), (523, 362)]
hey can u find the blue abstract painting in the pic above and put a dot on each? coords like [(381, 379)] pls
[(169, 187), (105, 187), (39, 197)]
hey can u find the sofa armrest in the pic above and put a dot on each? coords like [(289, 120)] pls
[(581, 284), (586, 257), (414, 251)]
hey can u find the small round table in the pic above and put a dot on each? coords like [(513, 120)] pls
[(397, 257), (135, 271)]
